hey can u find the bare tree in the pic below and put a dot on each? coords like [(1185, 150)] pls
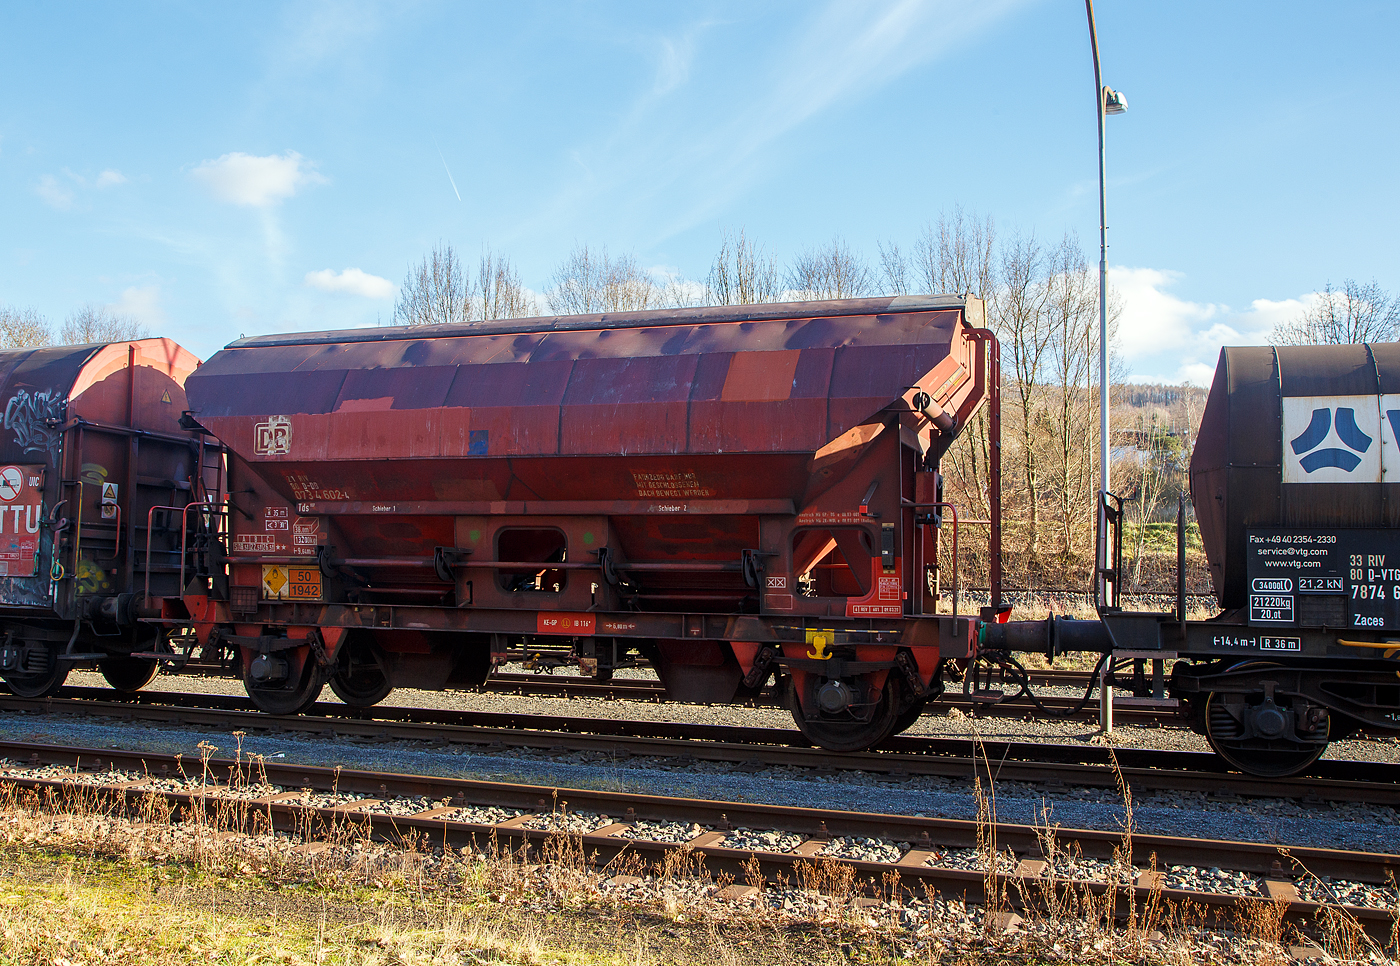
[(895, 268), (578, 283), (1355, 313), (1042, 301), (1072, 307), (956, 255), (589, 282), (1017, 308), (682, 293), (434, 292), (830, 272), (742, 274), (498, 292), (21, 328), (91, 324), (1146, 483)]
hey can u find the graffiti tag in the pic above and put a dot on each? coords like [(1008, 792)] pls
[(34, 419)]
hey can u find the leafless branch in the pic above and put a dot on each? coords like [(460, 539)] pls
[(434, 292), (829, 272), (1352, 314), (92, 324), (742, 274), (590, 281), (20, 328), (498, 293)]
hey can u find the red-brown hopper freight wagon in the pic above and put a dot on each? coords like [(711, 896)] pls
[(724, 493)]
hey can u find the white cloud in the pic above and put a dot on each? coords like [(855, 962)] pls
[(55, 193), (62, 193), (1164, 338), (1265, 313), (352, 281), (259, 182), (142, 303), (1154, 322), (540, 300), (1196, 374), (673, 63)]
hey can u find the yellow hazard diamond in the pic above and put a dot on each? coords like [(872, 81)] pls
[(274, 579)]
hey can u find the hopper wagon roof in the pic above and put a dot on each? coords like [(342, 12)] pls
[(787, 377), (40, 388)]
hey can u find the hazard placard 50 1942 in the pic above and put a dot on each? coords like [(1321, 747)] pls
[(21, 515), (289, 582)]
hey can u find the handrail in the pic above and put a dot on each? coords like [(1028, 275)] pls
[(952, 507), (184, 542), (78, 422), (989, 350), (704, 566)]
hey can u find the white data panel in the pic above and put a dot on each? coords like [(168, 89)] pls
[(1332, 439)]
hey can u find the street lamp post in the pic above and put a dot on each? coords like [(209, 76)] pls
[(1108, 101)]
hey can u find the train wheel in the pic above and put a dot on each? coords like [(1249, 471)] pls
[(1250, 731), (286, 682), (845, 730), (41, 673), (361, 677), (128, 674), (907, 719)]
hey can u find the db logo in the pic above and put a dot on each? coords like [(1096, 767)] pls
[(274, 437)]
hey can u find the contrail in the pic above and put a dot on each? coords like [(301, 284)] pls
[(448, 170)]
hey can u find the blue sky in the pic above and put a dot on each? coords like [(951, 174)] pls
[(214, 169)]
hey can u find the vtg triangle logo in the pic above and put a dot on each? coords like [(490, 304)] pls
[(1341, 439), (1314, 456)]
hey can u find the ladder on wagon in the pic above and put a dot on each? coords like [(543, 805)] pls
[(1149, 690)]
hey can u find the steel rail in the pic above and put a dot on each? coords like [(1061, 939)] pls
[(636, 689), (818, 826), (903, 756), (617, 689), (1053, 677), (653, 689)]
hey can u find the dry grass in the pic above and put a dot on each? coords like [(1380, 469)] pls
[(94, 915), (1080, 923), (82, 882)]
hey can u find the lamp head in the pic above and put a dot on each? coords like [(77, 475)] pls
[(1113, 101)]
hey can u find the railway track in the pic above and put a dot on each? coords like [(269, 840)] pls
[(621, 689), (933, 854), (644, 688), (545, 684), (1052, 766)]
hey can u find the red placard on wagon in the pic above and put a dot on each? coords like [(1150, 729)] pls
[(21, 514)]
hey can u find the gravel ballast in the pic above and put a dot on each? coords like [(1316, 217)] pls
[(1325, 825), (1064, 866)]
